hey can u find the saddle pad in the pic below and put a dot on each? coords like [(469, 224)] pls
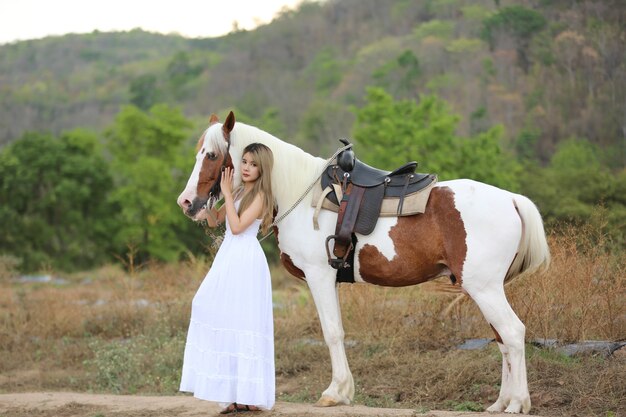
[(414, 203)]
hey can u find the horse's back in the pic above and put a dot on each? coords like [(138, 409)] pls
[(484, 207), (478, 202), (475, 191)]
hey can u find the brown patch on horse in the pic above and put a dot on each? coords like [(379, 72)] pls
[(210, 173), (285, 259), (426, 245), (213, 119), (498, 338)]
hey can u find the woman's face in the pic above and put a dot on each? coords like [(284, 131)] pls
[(250, 171)]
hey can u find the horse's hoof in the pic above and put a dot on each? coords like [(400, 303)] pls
[(515, 407), (497, 407), (326, 402)]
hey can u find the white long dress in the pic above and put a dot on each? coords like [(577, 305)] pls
[(229, 355)]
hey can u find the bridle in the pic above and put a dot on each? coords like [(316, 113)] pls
[(227, 127), (215, 191)]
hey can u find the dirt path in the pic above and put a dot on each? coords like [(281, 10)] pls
[(69, 404)]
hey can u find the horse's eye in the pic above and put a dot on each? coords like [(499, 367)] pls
[(211, 155)]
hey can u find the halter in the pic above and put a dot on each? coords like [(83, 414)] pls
[(216, 189)]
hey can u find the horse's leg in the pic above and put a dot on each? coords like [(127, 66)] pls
[(510, 331), (324, 290)]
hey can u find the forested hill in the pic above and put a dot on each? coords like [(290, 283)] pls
[(97, 131), (546, 70)]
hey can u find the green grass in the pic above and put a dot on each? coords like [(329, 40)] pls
[(148, 363)]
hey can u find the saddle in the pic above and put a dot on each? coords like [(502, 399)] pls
[(359, 191)]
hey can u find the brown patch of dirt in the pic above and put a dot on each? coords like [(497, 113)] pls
[(70, 404)]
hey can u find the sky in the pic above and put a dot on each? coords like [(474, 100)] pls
[(34, 19)]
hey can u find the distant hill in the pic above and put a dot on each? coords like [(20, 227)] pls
[(546, 70)]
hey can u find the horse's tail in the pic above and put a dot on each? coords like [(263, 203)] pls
[(533, 252)]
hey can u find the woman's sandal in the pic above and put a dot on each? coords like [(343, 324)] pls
[(237, 408)]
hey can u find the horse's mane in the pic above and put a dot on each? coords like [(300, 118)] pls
[(294, 169), (214, 139)]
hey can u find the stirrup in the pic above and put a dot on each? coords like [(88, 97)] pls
[(337, 262)]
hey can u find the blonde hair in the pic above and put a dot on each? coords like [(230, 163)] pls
[(264, 158)]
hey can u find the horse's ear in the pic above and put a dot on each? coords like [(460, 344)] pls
[(213, 119), (228, 125)]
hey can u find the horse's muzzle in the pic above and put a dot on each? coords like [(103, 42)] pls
[(196, 206)]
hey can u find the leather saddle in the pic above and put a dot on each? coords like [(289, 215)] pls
[(363, 189)]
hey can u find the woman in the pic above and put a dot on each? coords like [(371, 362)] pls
[(229, 355)]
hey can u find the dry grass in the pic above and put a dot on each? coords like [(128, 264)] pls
[(118, 331), (582, 297)]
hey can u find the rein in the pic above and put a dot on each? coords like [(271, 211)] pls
[(307, 191), (330, 160)]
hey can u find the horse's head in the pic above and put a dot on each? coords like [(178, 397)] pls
[(203, 187)]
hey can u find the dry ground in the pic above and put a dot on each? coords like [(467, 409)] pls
[(69, 404), (122, 331)]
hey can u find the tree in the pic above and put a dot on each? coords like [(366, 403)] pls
[(180, 71), (483, 159), (575, 183), (325, 69), (144, 91), (390, 133), (54, 207), (443, 29), (399, 75), (518, 22), (148, 150), (321, 126)]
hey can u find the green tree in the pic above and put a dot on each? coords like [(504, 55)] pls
[(573, 183), (144, 91), (391, 133), (399, 75), (149, 165), (325, 69), (574, 186), (518, 22), (443, 29), (180, 71), (319, 127), (526, 143), (54, 207), (483, 159)]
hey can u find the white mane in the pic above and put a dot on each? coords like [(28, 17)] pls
[(294, 169), (214, 140)]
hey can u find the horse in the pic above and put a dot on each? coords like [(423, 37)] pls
[(476, 234)]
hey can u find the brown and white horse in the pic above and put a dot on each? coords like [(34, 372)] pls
[(476, 234)]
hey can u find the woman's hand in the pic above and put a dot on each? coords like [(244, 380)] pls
[(226, 182)]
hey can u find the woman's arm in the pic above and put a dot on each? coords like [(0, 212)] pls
[(238, 223)]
